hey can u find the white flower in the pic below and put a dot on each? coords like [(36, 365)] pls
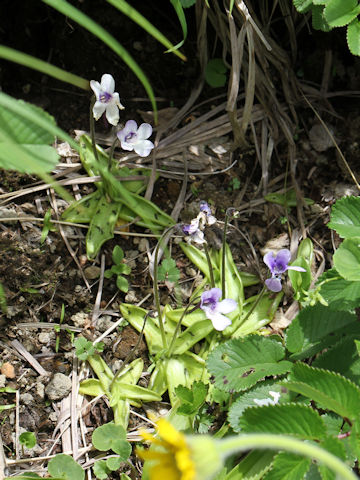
[(133, 138), (107, 100), (268, 401), (214, 309)]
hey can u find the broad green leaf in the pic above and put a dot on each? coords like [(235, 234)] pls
[(313, 329), (91, 386), (302, 6), (240, 363), (347, 259), (300, 281), (340, 294), (101, 470), (117, 254), (252, 467), (112, 437), (191, 399), (345, 218), (122, 284), (353, 37), (82, 211), (28, 439), (342, 358), (187, 3), (44, 157), (64, 466), (341, 12), (215, 73), (329, 389), (114, 463), (286, 419), (318, 19), (247, 399), (289, 466), (102, 226), (22, 130)]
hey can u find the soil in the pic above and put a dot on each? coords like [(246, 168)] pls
[(41, 278)]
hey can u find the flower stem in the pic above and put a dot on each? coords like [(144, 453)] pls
[(256, 303), (92, 128), (231, 445), (223, 282), (172, 344), (155, 286), (111, 153), (211, 272)]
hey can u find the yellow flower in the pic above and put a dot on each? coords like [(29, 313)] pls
[(179, 457)]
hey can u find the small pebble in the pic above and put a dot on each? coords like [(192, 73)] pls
[(26, 398), (8, 370), (59, 387), (92, 272), (44, 338), (79, 319), (131, 297), (2, 381), (103, 323), (143, 245)]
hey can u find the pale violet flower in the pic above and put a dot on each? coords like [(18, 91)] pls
[(268, 401), (193, 232), (133, 138), (278, 264), (107, 100), (209, 217), (214, 308)]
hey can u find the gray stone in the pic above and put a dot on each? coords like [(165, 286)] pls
[(59, 387)]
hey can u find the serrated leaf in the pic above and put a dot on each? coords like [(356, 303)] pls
[(64, 466), (353, 37), (329, 389), (287, 419), (341, 12), (336, 447), (252, 467), (289, 466), (310, 331), (302, 6), (259, 392), (240, 363), (347, 259), (318, 19), (342, 358), (340, 294), (345, 218)]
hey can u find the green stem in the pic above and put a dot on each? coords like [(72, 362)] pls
[(223, 283), (211, 272), (241, 443), (92, 128), (156, 289), (172, 344), (111, 153), (256, 303)]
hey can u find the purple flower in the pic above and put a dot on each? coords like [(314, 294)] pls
[(133, 138), (209, 217), (214, 309), (193, 232), (107, 100), (278, 264)]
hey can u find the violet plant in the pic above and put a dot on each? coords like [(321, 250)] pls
[(278, 264)]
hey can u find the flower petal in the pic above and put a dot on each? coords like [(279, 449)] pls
[(220, 322), (283, 257), (96, 88), (213, 295), (269, 260), (143, 148), (130, 127), (112, 113), (98, 109), (298, 269), (116, 100), (107, 83), (273, 284), (226, 306), (144, 131)]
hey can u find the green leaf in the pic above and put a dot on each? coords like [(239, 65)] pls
[(336, 447), (289, 466), (248, 399), (191, 399), (44, 158), (287, 419), (187, 3), (117, 255), (353, 36), (65, 467), (300, 280), (114, 463), (240, 363), (340, 294), (341, 12), (28, 439), (329, 389), (345, 218), (168, 271), (342, 358), (215, 73), (313, 329), (318, 19), (112, 437), (347, 259), (101, 469), (122, 284), (91, 386), (302, 6), (252, 467)]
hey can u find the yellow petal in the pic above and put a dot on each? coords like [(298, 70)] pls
[(170, 435), (164, 472)]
